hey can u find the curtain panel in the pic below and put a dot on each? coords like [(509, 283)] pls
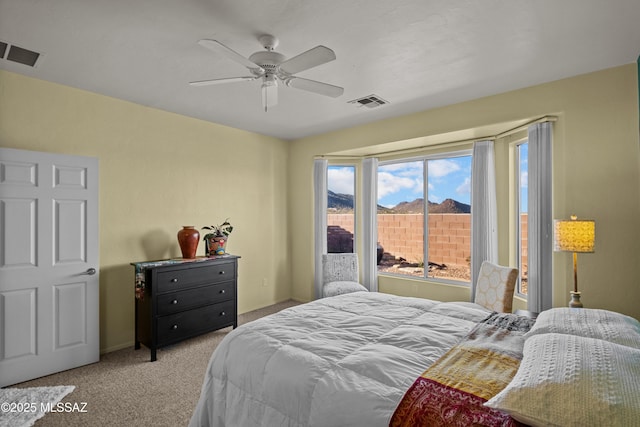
[(540, 233), (370, 223), (484, 217), (320, 221)]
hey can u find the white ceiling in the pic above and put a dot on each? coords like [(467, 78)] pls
[(416, 54)]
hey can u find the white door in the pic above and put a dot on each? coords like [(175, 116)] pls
[(49, 293)]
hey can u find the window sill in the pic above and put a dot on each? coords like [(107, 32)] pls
[(434, 280)]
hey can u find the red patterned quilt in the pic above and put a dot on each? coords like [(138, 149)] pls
[(452, 391)]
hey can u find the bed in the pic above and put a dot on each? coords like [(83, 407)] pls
[(374, 359)]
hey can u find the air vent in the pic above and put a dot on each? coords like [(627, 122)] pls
[(18, 54), (371, 101)]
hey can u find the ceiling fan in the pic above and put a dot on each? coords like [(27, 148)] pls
[(273, 69)]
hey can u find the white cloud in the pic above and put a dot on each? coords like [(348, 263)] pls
[(442, 167), (524, 179), (403, 169), (341, 179), (465, 187), (389, 183)]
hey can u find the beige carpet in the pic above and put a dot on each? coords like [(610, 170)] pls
[(125, 389)]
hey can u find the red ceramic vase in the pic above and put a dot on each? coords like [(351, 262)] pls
[(188, 239)]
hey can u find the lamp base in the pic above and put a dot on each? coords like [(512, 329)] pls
[(575, 300)]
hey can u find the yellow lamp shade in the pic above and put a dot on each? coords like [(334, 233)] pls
[(574, 235)]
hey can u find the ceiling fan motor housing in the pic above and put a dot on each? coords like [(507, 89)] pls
[(268, 60)]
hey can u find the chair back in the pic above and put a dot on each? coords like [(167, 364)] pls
[(495, 287), (340, 267)]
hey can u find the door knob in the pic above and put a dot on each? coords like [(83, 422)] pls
[(90, 271)]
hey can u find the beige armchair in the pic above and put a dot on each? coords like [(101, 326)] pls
[(495, 287)]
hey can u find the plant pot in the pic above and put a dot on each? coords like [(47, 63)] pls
[(216, 245), (188, 239)]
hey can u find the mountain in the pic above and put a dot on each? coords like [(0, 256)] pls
[(449, 206), (343, 203), (417, 206), (339, 202)]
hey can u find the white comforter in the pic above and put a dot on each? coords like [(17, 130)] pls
[(340, 361)]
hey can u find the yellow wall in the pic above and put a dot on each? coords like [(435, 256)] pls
[(596, 175), (159, 171)]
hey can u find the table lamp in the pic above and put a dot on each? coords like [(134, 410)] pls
[(574, 236)]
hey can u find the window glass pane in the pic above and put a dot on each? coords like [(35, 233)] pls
[(522, 249), (449, 219), (401, 218), (340, 208)]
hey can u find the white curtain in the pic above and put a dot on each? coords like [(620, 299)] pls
[(540, 233), (320, 221), (370, 223), (484, 217)]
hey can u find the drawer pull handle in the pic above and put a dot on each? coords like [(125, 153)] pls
[(174, 280), (223, 314), (175, 301), (174, 327), (223, 291), (221, 272)]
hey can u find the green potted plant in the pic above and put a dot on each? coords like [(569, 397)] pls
[(216, 239)]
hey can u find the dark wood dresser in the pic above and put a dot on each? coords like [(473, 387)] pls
[(180, 299)]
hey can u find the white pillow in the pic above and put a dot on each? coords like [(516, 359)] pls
[(589, 322), (568, 380)]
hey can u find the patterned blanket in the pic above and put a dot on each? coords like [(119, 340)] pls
[(452, 391)]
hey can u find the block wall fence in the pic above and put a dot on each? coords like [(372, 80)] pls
[(401, 236)]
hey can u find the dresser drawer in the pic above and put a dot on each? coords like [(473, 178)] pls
[(176, 301), (175, 327), (171, 280)]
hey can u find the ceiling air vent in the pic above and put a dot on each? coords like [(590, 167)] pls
[(22, 56), (18, 54), (371, 101)]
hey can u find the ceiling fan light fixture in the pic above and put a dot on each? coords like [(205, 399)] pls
[(269, 91)]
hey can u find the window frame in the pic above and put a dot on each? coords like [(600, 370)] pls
[(467, 152)]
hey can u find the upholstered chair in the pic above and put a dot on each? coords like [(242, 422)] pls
[(495, 286), (340, 274)]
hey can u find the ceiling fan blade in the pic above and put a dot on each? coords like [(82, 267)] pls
[(309, 59), (315, 87), (221, 81), (218, 47)]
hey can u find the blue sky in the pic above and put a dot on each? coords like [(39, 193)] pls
[(449, 178)]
